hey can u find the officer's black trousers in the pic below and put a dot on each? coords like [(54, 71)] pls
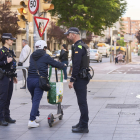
[(80, 86), (6, 90)]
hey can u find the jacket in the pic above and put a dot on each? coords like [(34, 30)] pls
[(4, 65), (26, 52), (42, 60), (77, 53), (63, 55)]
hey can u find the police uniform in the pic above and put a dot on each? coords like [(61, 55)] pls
[(6, 82), (80, 61)]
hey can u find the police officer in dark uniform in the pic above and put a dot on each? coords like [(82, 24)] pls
[(7, 77), (80, 77)]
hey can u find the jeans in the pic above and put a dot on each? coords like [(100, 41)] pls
[(36, 95), (65, 69)]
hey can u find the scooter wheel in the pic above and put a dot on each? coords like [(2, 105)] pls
[(50, 120), (50, 124)]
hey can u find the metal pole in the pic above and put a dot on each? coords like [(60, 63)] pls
[(27, 32), (111, 47), (36, 36), (127, 58), (45, 33)]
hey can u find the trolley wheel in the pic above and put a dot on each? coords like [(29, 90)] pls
[(50, 120), (61, 117)]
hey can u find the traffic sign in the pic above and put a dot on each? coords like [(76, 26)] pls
[(33, 6), (41, 24)]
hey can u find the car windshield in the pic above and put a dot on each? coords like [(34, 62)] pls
[(93, 51), (58, 51)]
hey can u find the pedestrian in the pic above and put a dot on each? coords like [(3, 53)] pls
[(24, 59), (64, 59), (8, 76), (79, 78), (119, 57), (39, 59)]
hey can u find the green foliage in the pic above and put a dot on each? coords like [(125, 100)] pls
[(90, 15), (8, 21), (121, 42)]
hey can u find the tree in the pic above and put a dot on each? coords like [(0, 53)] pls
[(88, 38), (138, 36), (8, 21), (90, 15), (56, 33), (121, 42)]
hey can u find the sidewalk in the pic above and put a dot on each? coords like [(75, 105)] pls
[(113, 110)]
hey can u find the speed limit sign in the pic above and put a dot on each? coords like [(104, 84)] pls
[(33, 6)]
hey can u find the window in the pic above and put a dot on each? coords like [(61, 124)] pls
[(125, 21), (8, 2)]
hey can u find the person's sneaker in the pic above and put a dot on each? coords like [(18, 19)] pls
[(37, 119), (32, 124), (10, 120), (64, 81), (3, 123)]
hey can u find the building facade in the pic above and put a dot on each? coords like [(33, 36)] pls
[(17, 45)]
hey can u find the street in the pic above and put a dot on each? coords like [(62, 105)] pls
[(113, 101)]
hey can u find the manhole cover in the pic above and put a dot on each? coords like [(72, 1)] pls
[(124, 106), (52, 106), (103, 97)]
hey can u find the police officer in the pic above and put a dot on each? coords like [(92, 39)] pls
[(79, 78), (8, 76)]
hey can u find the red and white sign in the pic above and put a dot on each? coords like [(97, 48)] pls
[(41, 24), (33, 6)]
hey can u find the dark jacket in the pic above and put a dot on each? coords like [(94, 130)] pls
[(77, 53), (42, 60), (8, 67), (63, 55)]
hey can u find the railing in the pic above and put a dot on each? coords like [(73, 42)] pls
[(25, 68)]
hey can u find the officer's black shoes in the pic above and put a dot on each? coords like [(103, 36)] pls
[(75, 126), (3, 123), (24, 87), (10, 120), (80, 130)]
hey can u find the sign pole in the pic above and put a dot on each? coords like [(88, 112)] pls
[(33, 6), (27, 31), (45, 33)]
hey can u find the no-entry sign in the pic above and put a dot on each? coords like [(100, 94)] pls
[(33, 6)]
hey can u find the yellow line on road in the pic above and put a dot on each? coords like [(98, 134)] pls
[(115, 81)]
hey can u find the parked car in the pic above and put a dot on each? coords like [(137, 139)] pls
[(48, 52), (95, 55), (56, 54), (104, 51)]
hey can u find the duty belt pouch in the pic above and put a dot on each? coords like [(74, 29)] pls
[(1, 74)]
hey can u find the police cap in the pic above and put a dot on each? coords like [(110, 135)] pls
[(8, 36), (73, 30)]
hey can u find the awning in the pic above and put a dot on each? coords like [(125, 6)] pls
[(119, 48), (101, 44)]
